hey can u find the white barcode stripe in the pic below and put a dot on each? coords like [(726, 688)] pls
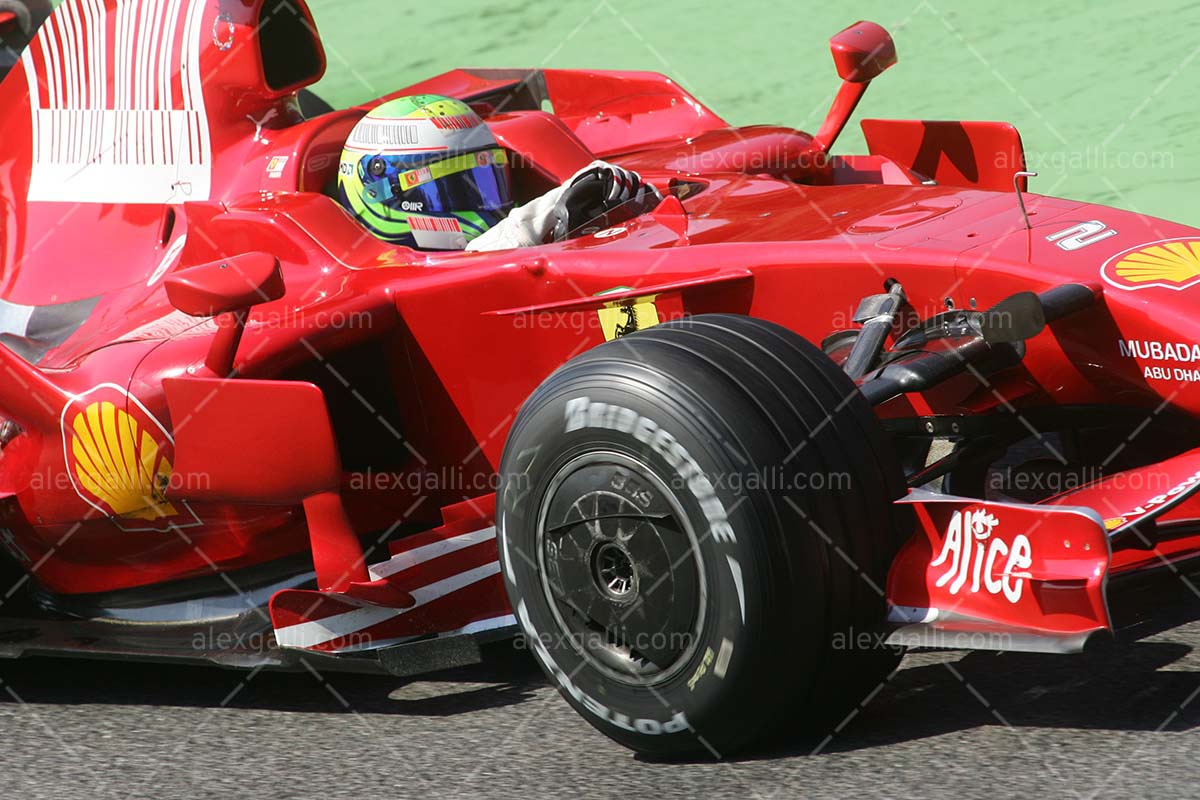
[(193, 140), (96, 76), (192, 65), (152, 145), (83, 54), (184, 84), (74, 42), (166, 60), (43, 149), (137, 41), (154, 64), (67, 40), (106, 141), (95, 45), (149, 34), (35, 100), (119, 54), (66, 97), (54, 75), (87, 28), (153, 34), (123, 54), (85, 95), (44, 41), (64, 52), (154, 53), (194, 89), (84, 28), (131, 82), (141, 39)]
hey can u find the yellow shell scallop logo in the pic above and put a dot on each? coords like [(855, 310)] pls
[(119, 463), (1169, 264)]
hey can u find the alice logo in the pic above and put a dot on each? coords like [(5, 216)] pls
[(971, 553)]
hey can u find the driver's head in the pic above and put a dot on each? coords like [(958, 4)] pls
[(424, 171)]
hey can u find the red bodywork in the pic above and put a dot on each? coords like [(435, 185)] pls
[(140, 154)]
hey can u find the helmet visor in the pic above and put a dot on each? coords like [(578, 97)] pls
[(475, 181)]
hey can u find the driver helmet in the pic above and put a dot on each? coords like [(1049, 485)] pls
[(424, 171)]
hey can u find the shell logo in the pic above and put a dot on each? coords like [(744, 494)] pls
[(118, 457), (1167, 264)]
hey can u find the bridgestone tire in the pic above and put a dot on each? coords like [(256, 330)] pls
[(695, 529)]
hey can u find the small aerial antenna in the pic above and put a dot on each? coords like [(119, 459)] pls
[(1017, 188)]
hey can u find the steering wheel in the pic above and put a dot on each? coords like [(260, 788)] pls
[(585, 204)]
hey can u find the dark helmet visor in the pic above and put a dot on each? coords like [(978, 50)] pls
[(475, 181)]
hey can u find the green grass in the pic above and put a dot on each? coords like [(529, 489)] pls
[(1103, 93)]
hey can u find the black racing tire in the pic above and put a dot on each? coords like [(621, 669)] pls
[(695, 528)]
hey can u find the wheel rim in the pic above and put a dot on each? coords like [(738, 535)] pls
[(620, 567)]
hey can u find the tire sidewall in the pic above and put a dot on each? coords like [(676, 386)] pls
[(584, 415)]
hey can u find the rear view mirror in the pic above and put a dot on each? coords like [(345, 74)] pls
[(226, 289), (862, 51), (231, 284)]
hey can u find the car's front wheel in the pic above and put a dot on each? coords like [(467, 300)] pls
[(692, 518)]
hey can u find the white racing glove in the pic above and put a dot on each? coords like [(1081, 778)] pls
[(597, 189), (591, 191)]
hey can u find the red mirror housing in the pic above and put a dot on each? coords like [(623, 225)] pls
[(862, 51), (226, 290), (231, 284)]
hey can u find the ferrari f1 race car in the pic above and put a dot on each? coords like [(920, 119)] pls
[(714, 462)]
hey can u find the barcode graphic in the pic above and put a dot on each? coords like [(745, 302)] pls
[(447, 224), (117, 104), (456, 122)]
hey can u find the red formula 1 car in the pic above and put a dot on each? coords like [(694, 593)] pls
[(691, 455)]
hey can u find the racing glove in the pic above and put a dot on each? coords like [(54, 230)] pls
[(589, 193), (598, 189)]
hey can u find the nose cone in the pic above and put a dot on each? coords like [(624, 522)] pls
[(1126, 252), (1142, 343)]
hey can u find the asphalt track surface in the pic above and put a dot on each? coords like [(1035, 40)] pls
[(1117, 724)]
